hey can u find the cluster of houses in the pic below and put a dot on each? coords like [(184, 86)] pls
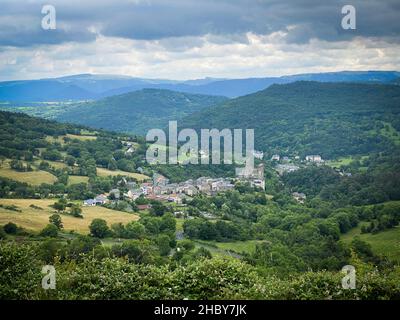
[(160, 188), (310, 159), (286, 165), (99, 200)]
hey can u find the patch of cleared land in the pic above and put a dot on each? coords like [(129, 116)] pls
[(60, 139), (35, 219), (343, 161), (390, 132), (385, 243), (81, 137), (238, 246), (101, 172), (77, 179), (36, 177)]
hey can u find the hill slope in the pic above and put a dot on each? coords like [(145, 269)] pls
[(138, 111), (331, 119)]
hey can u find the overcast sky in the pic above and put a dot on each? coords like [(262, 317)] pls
[(188, 39)]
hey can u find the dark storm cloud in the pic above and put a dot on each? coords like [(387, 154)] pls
[(226, 20)]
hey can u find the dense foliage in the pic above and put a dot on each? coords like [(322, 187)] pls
[(138, 111), (117, 278), (329, 119)]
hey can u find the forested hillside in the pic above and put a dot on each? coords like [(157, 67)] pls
[(329, 119), (138, 111)]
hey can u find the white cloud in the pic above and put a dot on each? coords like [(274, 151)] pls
[(259, 56)]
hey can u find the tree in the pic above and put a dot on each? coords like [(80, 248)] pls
[(10, 228), (76, 211), (98, 228), (118, 229), (70, 160), (168, 223), (207, 231), (202, 253), (158, 209), (112, 165), (134, 230), (60, 205), (49, 231), (56, 220), (151, 224), (82, 244), (163, 244), (49, 249)]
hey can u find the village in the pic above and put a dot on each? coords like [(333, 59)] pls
[(159, 188)]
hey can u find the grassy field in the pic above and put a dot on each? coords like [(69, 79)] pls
[(77, 179), (52, 139), (31, 177), (60, 139), (36, 219), (101, 172), (340, 162), (238, 246), (85, 132), (385, 242), (343, 161), (55, 164), (230, 249), (179, 224), (81, 137)]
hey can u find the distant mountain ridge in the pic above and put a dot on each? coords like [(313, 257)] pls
[(92, 87)]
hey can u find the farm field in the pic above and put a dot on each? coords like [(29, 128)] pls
[(32, 177), (36, 219), (101, 172), (77, 179)]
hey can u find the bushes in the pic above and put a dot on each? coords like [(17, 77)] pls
[(98, 228), (217, 278), (326, 285), (10, 228), (49, 231), (20, 275), (56, 220), (2, 234)]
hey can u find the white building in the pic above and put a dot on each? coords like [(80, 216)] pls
[(314, 158), (275, 157)]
